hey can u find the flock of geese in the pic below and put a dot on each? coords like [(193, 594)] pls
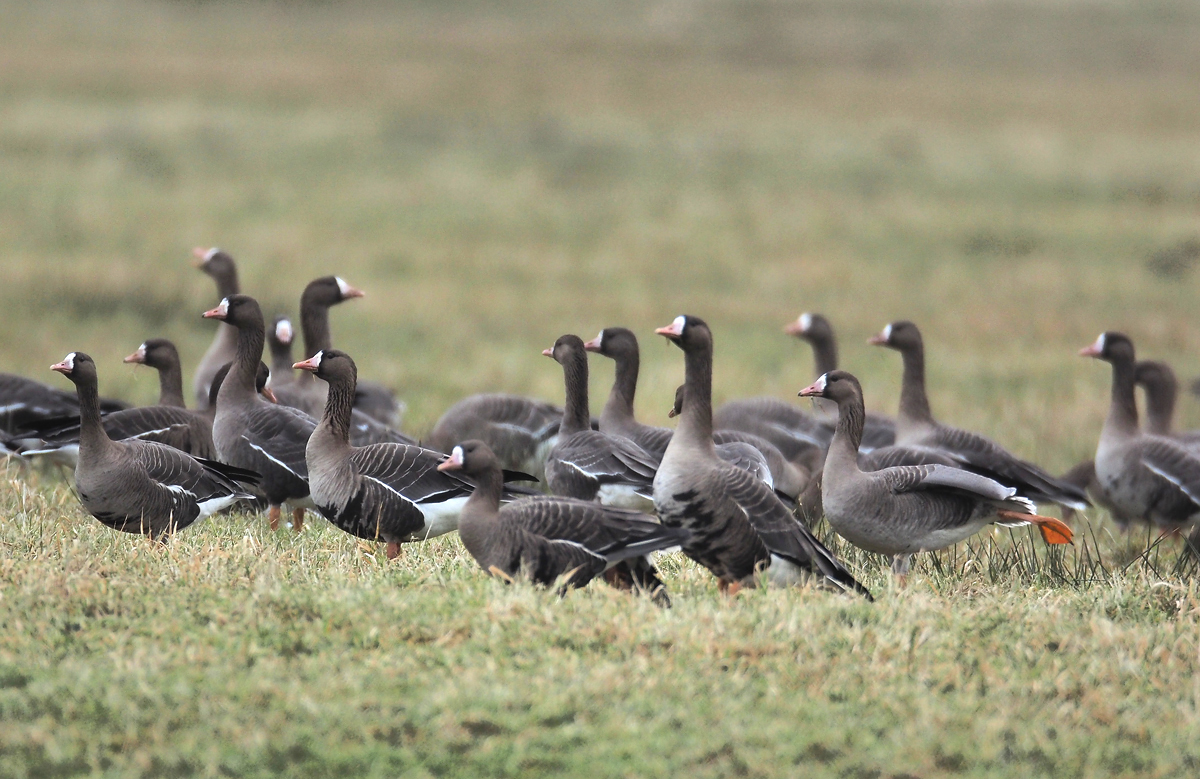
[(735, 489)]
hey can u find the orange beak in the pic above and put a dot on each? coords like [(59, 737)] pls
[(814, 390), (138, 357), (672, 331), (269, 395), (307, 365), (215, 313), (453, 462)]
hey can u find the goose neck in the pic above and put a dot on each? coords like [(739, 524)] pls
[(695, 422), (1122, 410), (576, 414), (914, 403), (618, 409)]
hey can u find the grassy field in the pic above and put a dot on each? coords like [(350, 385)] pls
[(1013, 176)]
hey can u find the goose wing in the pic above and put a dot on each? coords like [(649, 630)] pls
[(780, 531), (280, 434), (409, 471), (1173, 462), (608, 459)]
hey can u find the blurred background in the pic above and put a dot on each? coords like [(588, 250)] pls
[(1013, 176)]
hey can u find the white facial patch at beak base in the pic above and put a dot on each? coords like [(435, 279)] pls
[(678, 324), (283, 331), (69, 361), (887, 332), (600, 340), (208, 255), (223, 307), (456, 456), (1099, 345), (318, 357), (805, 322), (820, 383), (343, 287)]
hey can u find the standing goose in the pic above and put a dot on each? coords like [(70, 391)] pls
[(279, 341), (161, 355), (753, 454), (142, 486), (222, 269), (917, 427), (739, 527), (1161, 387), (617, 419), (879, 430), (253, 433), (1146, 477), (549, 537), (520, 431), (586, 463), (306, 393), (906, 509), (383, 492)]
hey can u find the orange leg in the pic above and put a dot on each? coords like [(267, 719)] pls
[(273, 517), (297, 519), (728, 588), (393, 550)]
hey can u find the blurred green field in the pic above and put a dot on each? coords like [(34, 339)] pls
[(1013, 176)]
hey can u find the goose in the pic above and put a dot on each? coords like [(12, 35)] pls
[(161, 355), (547, 538), (588, 464), (739, 527), (24, 402), (388, 492), (253, 433), (218, 265), (188, 431), (142, 486), (617, 419), (917, 427), (279, 341), (1161, 388), (902, 510), (753, 454), (1146, 477), (307, 394), (879, 430), (520, 431)]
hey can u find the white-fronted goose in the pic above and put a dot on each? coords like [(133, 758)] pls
[(1146, 477), (902, 510), (384, 492), (916, 426), (801, 437), (785, 477), (161, 355), (520, 431), (545, 538), (222, 269), (879, 430), (620, 345), (307, 394), (586, 463), (24, 402), (739, 527), (279, 341), (1161, 388), (142, 486), (250, 432)]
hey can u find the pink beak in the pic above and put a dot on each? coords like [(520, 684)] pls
[(592, 345), (269, 395), (548, 352), (670, 331), (307, 365), (61, 367), (137, 357), (793, 328), (877, 340), (812, 391), (1089, 351), (213, 314), (451, 463)]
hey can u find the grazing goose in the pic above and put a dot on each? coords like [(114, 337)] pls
[(520, 431), (279, 341), (142, 486), (307, 394), (902, 510), (253, 433), (879, 430), (739, 527), (617, 418), (384, 492), (24, 402), (546, 538), (586, 463), (222, 269), (917, 427), (753, 454), (1146, 477)]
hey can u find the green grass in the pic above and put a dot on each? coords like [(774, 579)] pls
[(497, 174)]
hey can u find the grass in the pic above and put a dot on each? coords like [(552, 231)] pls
[(1015, 177)]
